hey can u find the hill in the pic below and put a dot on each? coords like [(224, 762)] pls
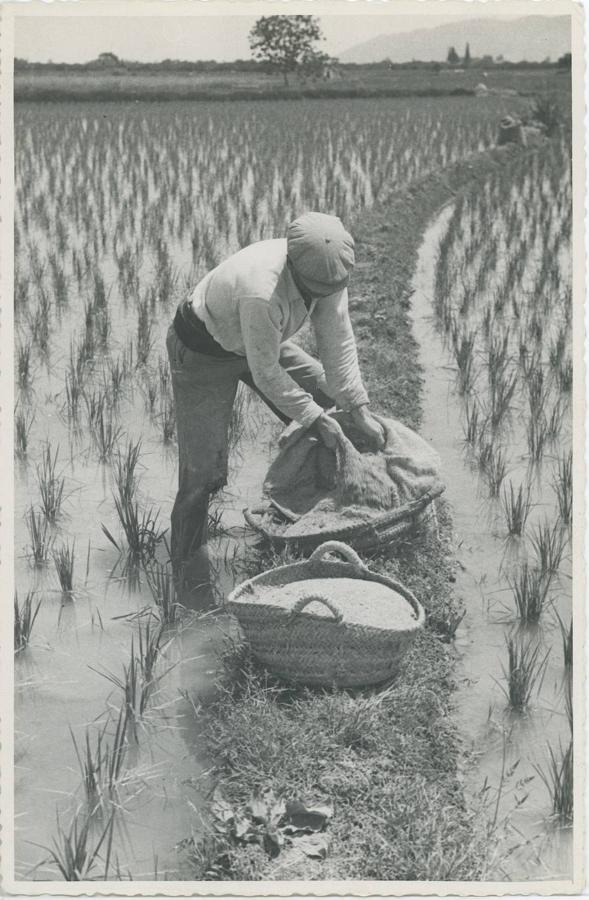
[(532, 38)]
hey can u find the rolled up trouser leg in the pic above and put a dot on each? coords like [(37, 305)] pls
[(204, 391), (305, 370)]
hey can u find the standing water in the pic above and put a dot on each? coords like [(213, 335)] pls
[(63, 679), (505, 750)]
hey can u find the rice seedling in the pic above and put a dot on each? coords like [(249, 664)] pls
[(501, 393), (59, 281), (516, 508), (163, 588), (141, 530), (128, 356), (566, 634), (515, 307), (150, 648), (95, 401), (167, 420), (103, 326), (106, 433), (487, 322), (144, 333), (497, 356), (557, 777), (39, 330), (525, 671), (530, 589), (151, 388), (125, 471), (555, 422), (537, 391), (99, 291), (64, 559), (485, 452), (530, 363), (23, 365), (164, 376), (568, 698), (22, 429), (73, 395), (139, 679), (557, 349), (25, 614), (536, 329), (51, 484), (548, 543), (101, 761), (116, 375), (215, 526), (41, 538), (464, 345), (536, 436), (563, 487), (495, 472), (76, 853), (565, 376), (471, 430)]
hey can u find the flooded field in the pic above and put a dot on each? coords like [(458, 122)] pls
[(513, 705), (119, 210), (73, 675)]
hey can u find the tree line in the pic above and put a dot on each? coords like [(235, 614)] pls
[(286, 45)]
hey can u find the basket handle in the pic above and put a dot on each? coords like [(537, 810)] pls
[(338, 547), (304, 601)]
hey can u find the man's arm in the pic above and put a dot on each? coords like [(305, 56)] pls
[(262, 338), (337, 350)]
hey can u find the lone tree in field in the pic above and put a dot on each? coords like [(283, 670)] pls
[(467, 55), (285, 42)]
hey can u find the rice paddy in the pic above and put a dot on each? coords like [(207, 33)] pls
[(497, 276), (119, 211)]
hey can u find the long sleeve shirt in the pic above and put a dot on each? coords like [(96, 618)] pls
[(250, 305)]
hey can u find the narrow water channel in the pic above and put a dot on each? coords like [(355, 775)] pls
[(502, 749)]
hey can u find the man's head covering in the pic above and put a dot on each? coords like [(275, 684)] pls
[(321, 252)]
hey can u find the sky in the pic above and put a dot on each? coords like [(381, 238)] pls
[(73, 39)]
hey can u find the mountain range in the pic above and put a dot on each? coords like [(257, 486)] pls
[(532, 38)]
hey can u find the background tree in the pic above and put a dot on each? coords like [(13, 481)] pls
[(467, 55), (285, 42), (453, 57)]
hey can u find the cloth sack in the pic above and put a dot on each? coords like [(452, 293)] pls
[(311, 484)]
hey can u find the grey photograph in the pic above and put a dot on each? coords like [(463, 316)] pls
[(297, 397)]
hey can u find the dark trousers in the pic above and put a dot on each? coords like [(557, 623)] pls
[(204, 392)]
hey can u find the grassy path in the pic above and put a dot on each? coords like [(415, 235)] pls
[(388, 762)]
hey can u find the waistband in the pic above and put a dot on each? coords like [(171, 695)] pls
[(193, 333)]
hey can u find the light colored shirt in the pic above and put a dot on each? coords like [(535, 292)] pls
[(250, 305)]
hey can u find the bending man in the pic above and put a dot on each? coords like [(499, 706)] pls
[(236, 327)]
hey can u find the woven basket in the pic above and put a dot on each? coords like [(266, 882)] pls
[(323, 650), (379, 531)]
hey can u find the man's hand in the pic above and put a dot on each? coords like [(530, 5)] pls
[(329, 431), (373, 430)]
